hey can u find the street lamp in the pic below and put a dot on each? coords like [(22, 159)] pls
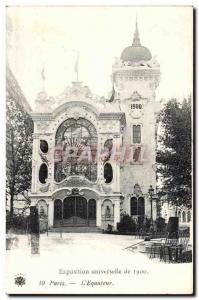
[(151, 193), (47, 218)]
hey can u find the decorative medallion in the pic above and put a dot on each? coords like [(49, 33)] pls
[(20, 280), (137, 190), (135, 105)]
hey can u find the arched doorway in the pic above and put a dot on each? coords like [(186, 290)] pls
[(137, 208), (75, 211), (92, 212), (57, 212)]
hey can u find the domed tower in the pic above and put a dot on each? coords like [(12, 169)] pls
[(135, 78), (136, 52)]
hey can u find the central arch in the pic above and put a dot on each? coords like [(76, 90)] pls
[(76, 150), (75, 210)]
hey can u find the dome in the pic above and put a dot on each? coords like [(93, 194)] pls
[(136, 52)]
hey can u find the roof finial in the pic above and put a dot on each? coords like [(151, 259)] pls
[(136, 39), (76, 68), (43, 77)]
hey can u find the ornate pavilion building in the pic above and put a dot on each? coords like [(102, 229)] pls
[(94, 159)]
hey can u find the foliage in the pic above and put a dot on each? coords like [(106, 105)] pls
[(126, 224), (19, 132), (160, 224), (174, 153), (17, 223)]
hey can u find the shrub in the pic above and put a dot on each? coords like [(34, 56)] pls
[(17, 223), (126, 224), (160, 224)]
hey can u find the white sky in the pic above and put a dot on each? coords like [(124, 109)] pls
[(47, 36)]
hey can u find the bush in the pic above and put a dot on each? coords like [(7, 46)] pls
[(160, 224), (17, 223), (126, 224)]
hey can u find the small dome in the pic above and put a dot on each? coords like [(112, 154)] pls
[(136, 52)]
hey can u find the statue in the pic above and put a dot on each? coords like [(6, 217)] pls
[(108, 212)]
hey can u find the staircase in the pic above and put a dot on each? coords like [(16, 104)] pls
[(77, 229)]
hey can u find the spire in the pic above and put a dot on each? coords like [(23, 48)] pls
[(43, 77), (136, 39)]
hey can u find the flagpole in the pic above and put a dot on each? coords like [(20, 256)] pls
[(76, 68), (77, 65), (43, 79)]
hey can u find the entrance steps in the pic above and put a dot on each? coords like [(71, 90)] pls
[(78, 229)]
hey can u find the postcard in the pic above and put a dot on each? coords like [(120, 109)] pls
[(99, 150)]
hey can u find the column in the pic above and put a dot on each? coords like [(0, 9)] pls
[(99, 213), (154, 209), (34, 163), (50, 213), (116, 212)]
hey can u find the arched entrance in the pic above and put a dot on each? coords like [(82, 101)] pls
[(75, 211), (57, 211), (92, 212)]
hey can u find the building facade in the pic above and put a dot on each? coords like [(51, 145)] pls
[(182, 212), (94, 158)]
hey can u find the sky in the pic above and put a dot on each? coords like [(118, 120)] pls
[(49, 37)]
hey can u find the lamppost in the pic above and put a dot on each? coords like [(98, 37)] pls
[(151, 193), (47, 218)]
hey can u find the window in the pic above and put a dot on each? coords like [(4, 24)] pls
[(141, 209), (43, 146), (188, 216), (108, 173), (43, 173), (183, 217), (77, 140), (136, 134), (133, 206), (179, 216), (137, 206)]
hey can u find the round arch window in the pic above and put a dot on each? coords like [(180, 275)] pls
[(78, 141), (141, 206), (43, 173), (43, 146), (108, 173)]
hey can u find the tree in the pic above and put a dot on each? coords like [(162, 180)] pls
[(19, 132), (175, 152)]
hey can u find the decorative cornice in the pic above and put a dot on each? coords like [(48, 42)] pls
[(138, 72), (77, 181), (70, 104), (42, 116), (112, 116)]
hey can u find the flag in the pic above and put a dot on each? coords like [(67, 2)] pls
[(112, 95), (76, 65), (77, 62), (43, 74)]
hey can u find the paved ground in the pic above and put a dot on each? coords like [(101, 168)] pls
[(54, 244), (86, 252)]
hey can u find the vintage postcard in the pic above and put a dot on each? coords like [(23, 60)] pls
[(99, 150)]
